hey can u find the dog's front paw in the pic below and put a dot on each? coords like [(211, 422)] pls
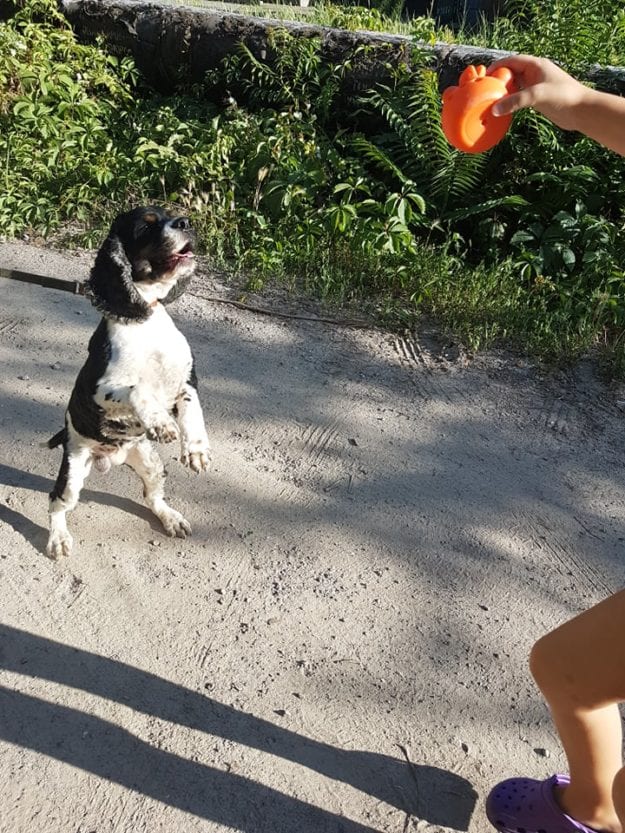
[(162, 430), (175, 524), (196, 454), (59, 544)]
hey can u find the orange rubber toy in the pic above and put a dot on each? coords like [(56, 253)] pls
[(467, 121)]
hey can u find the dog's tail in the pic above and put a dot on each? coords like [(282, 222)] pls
[(60, 438)]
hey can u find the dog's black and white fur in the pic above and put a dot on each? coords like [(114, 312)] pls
[(138, 383)]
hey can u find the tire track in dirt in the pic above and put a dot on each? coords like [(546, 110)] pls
[(316, 439), (424, 366), (571, 416), (562, 553), (8, 326), (318, 463)]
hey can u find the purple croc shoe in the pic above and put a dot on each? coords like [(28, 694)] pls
[(524, 805)]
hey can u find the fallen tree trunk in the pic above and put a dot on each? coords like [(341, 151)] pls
[(173, 45)]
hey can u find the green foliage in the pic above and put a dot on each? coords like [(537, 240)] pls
[(55, 99), (294, 76), (415, 150), (357, 199), (576, 32)]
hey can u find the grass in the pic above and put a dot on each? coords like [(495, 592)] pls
[(355, 198), (364, 18)]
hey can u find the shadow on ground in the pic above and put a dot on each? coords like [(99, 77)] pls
[(109, 751)]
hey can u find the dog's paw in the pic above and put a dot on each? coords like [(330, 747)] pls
[(196, 454), (162, 430), (59, 544), (174, 523)]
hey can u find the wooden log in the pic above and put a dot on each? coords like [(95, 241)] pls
[(178, 44)]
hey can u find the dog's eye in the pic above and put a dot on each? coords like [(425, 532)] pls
[(147, 225)]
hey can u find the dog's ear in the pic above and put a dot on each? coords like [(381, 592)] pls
[(110, 285)]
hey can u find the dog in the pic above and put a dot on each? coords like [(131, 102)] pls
[(139, 383)]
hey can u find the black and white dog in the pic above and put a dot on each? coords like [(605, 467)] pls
[(138, 383)]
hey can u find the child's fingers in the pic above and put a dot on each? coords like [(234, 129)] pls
[(517, 63), (513, 102)]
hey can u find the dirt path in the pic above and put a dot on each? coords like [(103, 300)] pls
[(385, 531)]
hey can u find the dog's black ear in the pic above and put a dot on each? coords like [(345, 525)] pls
[(110, 285)]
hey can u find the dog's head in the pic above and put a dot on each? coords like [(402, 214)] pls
[(147, 257)]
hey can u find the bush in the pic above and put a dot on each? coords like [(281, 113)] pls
[(355, 200)]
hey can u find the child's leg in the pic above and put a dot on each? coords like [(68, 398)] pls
[(580, 668), (618, 794)]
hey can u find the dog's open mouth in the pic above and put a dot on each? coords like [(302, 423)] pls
[(174, 259)]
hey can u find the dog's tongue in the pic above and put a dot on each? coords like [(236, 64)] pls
[(178, 256)]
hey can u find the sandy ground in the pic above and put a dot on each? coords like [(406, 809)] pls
[(341, 646)]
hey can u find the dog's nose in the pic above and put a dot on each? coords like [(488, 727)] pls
[(182, 223)]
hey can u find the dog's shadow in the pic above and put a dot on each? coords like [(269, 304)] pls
[(37, 535)]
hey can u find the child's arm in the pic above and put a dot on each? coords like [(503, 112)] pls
[(563, 100)]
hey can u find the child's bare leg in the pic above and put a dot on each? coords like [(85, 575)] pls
[(618, 795), (580, 668)]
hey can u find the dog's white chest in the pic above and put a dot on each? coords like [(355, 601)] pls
[(152, 355)]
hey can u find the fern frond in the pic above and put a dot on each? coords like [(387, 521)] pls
[(424, 113), (486, 207), (256, 67), (380, 159), (389, 107), (459, 175)]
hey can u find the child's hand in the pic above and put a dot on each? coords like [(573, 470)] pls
[(543, 86)]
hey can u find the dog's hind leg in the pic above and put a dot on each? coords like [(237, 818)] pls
[(144, 459), (75, 467)]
